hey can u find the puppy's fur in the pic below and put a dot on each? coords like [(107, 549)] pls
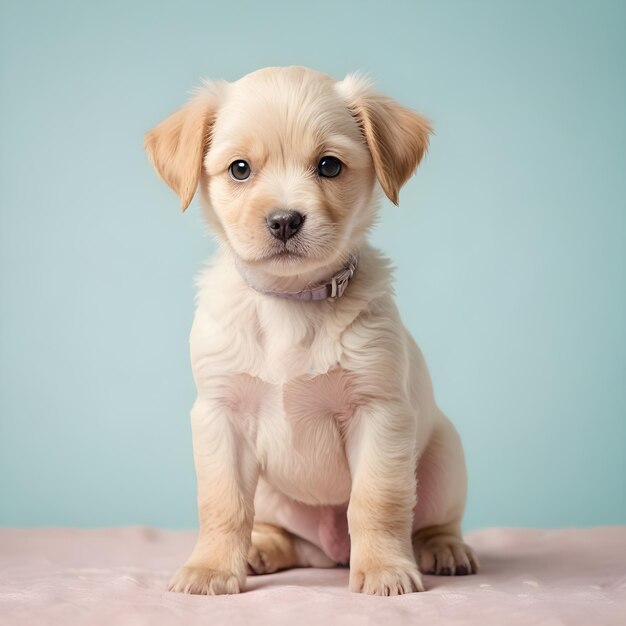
[(316, 435)]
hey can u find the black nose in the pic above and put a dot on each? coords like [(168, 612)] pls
[(284, 224)]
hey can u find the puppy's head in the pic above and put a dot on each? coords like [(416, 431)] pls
[(287, 160)]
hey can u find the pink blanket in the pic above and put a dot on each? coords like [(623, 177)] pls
[(118, 577)]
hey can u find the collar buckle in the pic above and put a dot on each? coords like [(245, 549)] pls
[(339, 282)]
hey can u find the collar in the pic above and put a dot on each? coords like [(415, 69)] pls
[(334, 288)]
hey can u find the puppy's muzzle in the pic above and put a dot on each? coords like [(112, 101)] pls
[(284, 224)]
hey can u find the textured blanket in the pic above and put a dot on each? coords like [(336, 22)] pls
[(118, 576)]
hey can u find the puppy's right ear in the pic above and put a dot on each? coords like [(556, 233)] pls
[(177, 146)]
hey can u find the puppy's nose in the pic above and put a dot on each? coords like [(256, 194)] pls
[(284, 224)]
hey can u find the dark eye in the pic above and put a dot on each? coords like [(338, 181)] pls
[(329, 167), (239, 170)]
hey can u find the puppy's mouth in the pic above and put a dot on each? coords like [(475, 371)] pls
[(285, 254), (279, 255), (282, 256)]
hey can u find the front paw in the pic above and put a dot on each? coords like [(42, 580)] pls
[(199, 580), (386, 579)]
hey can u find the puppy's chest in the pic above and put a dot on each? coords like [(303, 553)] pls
[(299, 436), (297, 405), (285, 353)]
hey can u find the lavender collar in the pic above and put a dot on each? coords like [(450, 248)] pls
[(335, 288)]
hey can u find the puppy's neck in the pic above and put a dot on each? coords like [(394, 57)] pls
[(329, 280)]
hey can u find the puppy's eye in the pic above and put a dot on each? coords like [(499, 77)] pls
[(239, 170), (329, 167)]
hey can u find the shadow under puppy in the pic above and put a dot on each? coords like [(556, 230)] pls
[(316, 436)]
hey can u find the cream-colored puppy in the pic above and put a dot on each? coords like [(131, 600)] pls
[(316, 435)]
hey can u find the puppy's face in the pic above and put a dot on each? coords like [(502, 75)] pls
[(287, 160), (290, 178)]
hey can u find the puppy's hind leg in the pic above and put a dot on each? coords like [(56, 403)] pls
[(274, 549), (440, 550), (442, 484)]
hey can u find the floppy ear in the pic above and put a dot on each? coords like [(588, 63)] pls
[(176, 147), (396, 136)]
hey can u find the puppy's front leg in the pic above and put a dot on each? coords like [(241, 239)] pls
[(227, 474), (381, 453)]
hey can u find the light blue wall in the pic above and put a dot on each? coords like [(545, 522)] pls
[(510, 242)]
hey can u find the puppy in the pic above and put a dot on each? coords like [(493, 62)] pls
[(316, 436)]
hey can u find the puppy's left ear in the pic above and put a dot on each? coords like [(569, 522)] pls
[(397, 137), (176, 147)]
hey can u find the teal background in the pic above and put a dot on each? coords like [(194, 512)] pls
[(510, 242)]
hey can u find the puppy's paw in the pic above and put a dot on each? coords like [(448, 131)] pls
[(446, 556), (386, 580), (271, 550), (261, 561), (210, 582)]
